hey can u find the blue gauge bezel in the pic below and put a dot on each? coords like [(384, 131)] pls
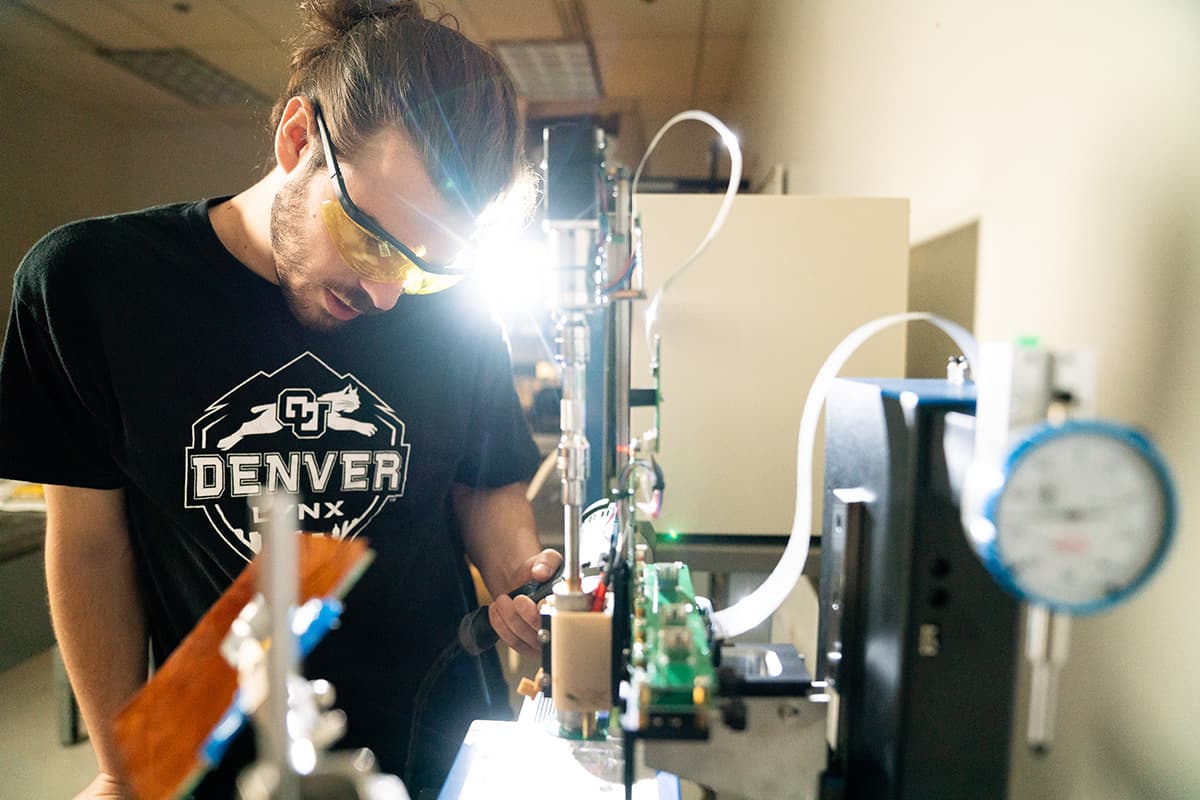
[(989, 550)]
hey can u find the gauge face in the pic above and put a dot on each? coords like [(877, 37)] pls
[(1083, 516), (596, 532)]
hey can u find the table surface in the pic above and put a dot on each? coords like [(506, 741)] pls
[(517, 759)]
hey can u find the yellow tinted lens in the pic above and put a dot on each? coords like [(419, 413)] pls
[(375, 259)]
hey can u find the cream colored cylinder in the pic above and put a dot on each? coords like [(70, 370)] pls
[(581, 660)]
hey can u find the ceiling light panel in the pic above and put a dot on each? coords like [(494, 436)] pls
[(545, 71), (186, 76)]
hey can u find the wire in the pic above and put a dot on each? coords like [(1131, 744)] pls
[(421, 698), (543, 472), (762, 602), (735, 178), (617, 281)]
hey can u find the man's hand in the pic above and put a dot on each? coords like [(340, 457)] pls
[(104, 787), (517, 621)]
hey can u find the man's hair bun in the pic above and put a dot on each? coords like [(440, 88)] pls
[(333, 18)]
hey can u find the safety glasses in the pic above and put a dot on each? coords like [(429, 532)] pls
[(367, 248)]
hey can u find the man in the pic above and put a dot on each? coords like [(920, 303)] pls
[(165, 370)]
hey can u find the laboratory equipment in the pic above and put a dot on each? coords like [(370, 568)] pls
[(923, 593)]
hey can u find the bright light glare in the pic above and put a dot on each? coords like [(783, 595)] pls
[(730, 140), (303, 756), (512, 269)]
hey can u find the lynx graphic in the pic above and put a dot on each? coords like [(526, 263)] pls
[(307, 430), (308, 417)]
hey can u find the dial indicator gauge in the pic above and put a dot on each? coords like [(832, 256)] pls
[(1083, 518)]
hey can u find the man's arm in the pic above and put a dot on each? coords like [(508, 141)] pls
[(97, 612), (501, 539)]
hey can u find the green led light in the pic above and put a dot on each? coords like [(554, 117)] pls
[(673, 535), (1028, 342)]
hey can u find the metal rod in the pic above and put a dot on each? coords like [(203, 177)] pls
[(573, 444), (622, 228), (279, 585), (1047, 638)]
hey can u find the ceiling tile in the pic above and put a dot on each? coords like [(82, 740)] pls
[(658, 67), (263, 69), (25, 33), (208, 23), (106, 26), (278, 20), (638, 18), (729, 17), (513, 20)]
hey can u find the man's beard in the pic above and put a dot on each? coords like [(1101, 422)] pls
[(288, 211)]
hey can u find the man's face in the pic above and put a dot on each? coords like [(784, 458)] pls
[(387, 180)]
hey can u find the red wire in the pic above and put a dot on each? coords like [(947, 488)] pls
[(608, 287), (598, 598)]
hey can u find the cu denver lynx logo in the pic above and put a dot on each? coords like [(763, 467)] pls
[(304, 430)]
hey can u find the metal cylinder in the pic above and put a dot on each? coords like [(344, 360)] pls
[(573, 253), (622, 251), (573, 448), (279, 583)]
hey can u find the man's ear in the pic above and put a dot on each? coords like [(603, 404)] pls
[(296, 134)]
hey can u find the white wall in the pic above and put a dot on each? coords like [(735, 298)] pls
[(1071, 131), (62, 162), (58, 163)]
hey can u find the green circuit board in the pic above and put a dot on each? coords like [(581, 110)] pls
[(671, 654)]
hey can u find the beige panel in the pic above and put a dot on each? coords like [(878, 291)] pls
[(514, 20), (639, 19), (209, 23), (661, 67), (744, 333), (103, 24), (719, 62), (277, 20), (941, 279)]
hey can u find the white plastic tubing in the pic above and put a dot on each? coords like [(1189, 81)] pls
[(763, 601), (735, 178)]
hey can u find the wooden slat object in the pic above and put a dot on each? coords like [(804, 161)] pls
[(161, 730)]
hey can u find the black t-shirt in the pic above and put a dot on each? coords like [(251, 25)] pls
[(140, 354)]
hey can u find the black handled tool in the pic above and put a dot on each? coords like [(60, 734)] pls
[(475, 632)]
